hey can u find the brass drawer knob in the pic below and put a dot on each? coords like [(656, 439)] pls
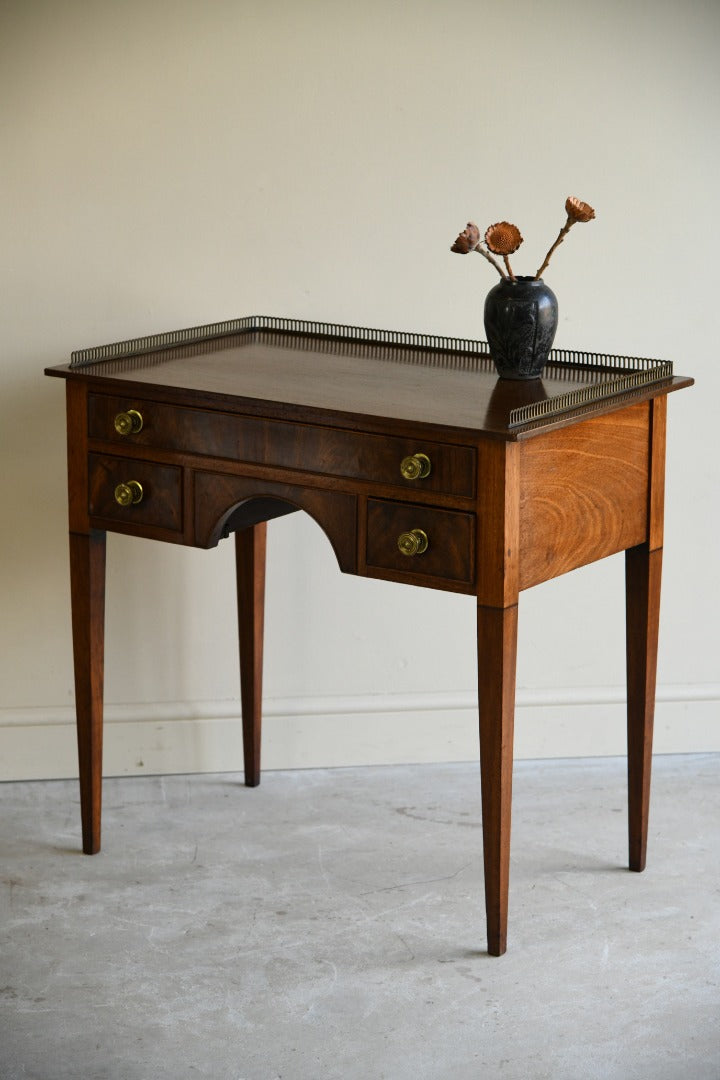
[(129, 494), (413, 543), (128, 423), (415, 467)]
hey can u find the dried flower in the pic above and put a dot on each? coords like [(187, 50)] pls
[(503, 238), (578, 210), (468, 239)]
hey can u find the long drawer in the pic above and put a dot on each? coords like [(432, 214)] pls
[(331, 451)]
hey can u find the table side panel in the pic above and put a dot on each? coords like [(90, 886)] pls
[(584, 493)]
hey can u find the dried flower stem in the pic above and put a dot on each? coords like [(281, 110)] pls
[(561, 236), (488, 256), (507, 266)]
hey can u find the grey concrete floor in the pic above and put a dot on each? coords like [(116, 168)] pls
[(329, 924)]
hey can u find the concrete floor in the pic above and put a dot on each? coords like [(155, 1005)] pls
[(329, 925)]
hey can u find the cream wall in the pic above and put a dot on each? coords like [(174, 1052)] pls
[(167, 163)]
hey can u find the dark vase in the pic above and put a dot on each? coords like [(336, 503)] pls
[(521, 318)]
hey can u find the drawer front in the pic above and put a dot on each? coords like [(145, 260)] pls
[(159, 492), (450, 552), (306, 447)]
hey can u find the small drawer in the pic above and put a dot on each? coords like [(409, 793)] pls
[(403, 462), (435, 543), (135, 492)]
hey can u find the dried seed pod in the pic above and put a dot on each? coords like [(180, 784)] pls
[(577, 210), (502, 238), (468, 239)]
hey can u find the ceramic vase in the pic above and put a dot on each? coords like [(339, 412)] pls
[(521, 318)]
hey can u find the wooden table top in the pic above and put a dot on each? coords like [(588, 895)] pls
[(311, 376)]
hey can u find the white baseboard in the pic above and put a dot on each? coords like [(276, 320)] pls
[(182, 737)]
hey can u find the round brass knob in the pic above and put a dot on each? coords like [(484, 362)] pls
[(129, 494), (415, 467), (413, 543), (128, 423)]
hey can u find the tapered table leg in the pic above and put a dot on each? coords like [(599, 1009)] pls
[(497, 651), (250, 546), (643, 570), (87, 582)]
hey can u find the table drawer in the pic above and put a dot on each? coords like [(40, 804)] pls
[(449, 536), (135, 492), (306, 447)]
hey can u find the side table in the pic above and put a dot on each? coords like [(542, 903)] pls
[(420, 466)]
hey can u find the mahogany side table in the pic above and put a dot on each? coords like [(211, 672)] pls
[(419, 465)]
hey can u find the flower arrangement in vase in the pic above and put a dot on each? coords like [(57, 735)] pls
[(521, 313)]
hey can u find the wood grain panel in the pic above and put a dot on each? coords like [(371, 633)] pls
[(583, 493)]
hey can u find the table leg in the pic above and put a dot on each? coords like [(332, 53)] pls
[(497, 651), (250, 546), (642, 591), (87, 583)]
